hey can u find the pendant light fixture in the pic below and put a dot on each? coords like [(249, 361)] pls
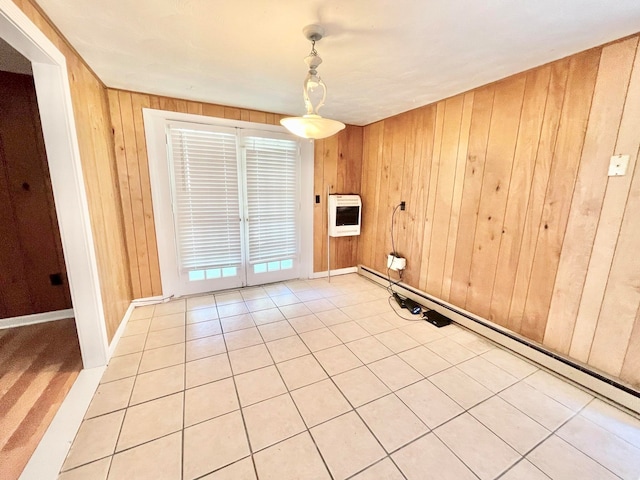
[(312, 125)]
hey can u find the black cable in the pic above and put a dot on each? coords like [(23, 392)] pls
[(419, 319), (394, 253), (400, 272), (393, 244)]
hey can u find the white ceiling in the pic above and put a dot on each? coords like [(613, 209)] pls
[(381, 57)]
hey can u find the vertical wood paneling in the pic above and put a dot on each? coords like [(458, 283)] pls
[(329, 158), (472, 184), (95, 141), (138, 102), (319, 209), (425, 131), (522, 173), (431, 195), (571, 132), (348, 170), (30, 249), (613, 207), (622, 296), (456, 203), (535, 204), (604, 121), (503, 132), (396, 175), (630, 371), (132, 167), (443, 195), (382, 244), (372, 141), (403, 226), (492, 212), (123, 179)]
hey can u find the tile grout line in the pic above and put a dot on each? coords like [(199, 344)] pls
[(307, 428), (574, 413)]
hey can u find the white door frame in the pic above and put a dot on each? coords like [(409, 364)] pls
[(154, 124), (61, 142)]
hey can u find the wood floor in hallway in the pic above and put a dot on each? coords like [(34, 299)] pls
[(38, 365)]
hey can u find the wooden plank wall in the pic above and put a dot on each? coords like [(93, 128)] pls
[(337, 163), (91, 112), (510, 212), (31, 249), (337, 168)]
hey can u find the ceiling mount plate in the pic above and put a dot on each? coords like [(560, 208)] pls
[(313, 33)]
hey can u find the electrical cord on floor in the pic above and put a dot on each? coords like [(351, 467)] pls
[(418, 319), (392, 283)]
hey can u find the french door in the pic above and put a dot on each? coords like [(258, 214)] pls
[(235, 204)]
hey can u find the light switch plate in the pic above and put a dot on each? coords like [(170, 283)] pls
[(618, 165)]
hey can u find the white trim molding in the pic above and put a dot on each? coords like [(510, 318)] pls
[(49, 455), (155, 122), (35, 318), (337, 271), (61, 143)]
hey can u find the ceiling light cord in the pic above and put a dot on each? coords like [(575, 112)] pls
[(312, 125)]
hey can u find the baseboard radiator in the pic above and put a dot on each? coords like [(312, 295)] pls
[(604, 386)]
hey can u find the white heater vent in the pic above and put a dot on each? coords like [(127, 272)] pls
[(345, 213)]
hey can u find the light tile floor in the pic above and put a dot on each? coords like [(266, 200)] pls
[(314, 380)]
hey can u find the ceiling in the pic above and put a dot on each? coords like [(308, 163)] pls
[(381, 57)]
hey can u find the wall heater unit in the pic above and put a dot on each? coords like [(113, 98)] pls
[(345, 213)]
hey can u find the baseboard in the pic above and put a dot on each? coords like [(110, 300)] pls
[(36, 318), (119, 331), (140, 302), (578, 373), (47, 459), (339, 271)]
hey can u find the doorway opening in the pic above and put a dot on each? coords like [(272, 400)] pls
[(33, 346)]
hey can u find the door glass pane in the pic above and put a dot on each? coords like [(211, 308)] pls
[(271, 186), (206, 201)]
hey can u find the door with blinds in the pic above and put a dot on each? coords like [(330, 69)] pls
[(271, 187), (235, 205)]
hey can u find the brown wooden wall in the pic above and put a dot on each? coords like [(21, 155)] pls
[(91, 112), (337, 168), (30, 250), (510, 212), (135, 187)]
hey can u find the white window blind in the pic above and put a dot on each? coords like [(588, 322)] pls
[(205, 197), (271, 172)]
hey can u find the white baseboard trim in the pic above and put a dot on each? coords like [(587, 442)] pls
[(339, 271), (119, 331), (584, 376), (47, 459), (140, 302), (36, 318)]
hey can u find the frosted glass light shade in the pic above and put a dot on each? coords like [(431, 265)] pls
[(312, 126)]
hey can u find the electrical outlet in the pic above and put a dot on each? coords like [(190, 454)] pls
[(396, 263), (403, 205)]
